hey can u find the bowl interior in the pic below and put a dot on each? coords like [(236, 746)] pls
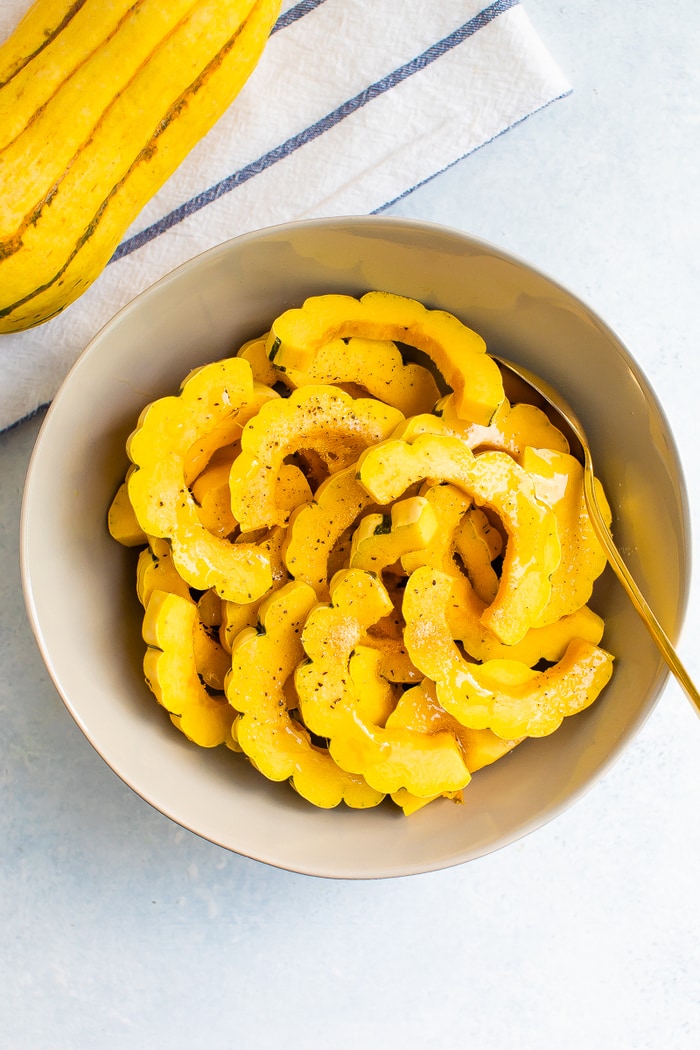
[(79, 583)]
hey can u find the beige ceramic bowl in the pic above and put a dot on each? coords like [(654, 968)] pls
[(80, 584)]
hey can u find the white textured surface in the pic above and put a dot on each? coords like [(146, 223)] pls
[(123, 931)]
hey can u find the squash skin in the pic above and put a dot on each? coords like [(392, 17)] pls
[(57, 40), (190, 77), (37, 28)]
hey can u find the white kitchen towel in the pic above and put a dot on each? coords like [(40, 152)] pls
[(353, 104)]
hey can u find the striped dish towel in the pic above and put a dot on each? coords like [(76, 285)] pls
[(353, 104)]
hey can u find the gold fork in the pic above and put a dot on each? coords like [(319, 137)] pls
[(564, 409)]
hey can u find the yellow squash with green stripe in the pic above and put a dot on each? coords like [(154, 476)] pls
[(99, 104)]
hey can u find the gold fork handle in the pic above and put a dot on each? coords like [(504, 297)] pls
[(636, 597)]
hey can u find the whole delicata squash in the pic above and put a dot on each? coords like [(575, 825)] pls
[(99, 104)]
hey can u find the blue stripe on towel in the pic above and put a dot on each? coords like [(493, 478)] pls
[(295, 13), (313, 131)]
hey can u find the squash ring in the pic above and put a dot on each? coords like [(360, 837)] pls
[(171, 671), (376, 366), (297, 335), (323, 418), (314, 529), (262, 661), (505, 696), (334, 697), (212, 399), (492, 479)]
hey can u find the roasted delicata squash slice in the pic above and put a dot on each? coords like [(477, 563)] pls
[(293, 489), (316, 528), (395, 664), (122, 522), (212, 492), (377, 367), (155, 572), (212, 399), (558, 479), (381, 540), (332, 637), (511, 429), (254, 351), (425, 423), (278, 745), (324, 418), (220, 443), (386, 634), (477, 543), (236, 616), (170, 667), (418, 709), (213, 497), (496, 481), (505, 696), (464, 610), (210, 658), (297, 335), (334, 687), (449, 504)]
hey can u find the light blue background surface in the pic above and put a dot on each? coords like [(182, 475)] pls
[(121, 930)]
